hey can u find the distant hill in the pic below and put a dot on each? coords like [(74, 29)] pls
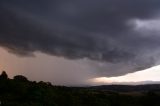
[(19, 91), (128, 88)]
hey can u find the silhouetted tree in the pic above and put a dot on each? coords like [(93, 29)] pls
[(3, 76), (20, 78)]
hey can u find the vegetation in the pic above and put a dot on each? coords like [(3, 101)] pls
[(19, 91)]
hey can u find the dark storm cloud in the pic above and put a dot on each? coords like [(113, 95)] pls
[(75, 29)]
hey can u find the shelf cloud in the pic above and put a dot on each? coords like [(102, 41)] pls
[(110, 32)]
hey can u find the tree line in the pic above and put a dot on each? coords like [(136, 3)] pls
[(19, 91)]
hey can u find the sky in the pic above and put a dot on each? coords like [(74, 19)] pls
[(81, 42)]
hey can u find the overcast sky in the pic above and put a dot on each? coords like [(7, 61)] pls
[(71, 41)]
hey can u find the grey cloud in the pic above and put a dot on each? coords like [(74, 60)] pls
[(77, 29)]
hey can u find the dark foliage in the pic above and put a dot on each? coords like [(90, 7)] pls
[(21, 92), (4, 76), (20, 78)]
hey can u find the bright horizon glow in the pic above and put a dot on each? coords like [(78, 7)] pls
[(150, 74)]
